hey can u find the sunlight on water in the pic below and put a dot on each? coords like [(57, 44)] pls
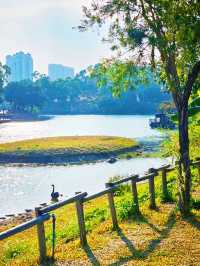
[(26, 187), (125, 126)]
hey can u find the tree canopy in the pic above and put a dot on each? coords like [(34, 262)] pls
[(80, 95), (24, 96), (163, 34)]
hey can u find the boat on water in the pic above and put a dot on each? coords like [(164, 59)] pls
[(161, 120)]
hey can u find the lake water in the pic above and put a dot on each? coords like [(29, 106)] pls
[(26, 187), (112, 125)]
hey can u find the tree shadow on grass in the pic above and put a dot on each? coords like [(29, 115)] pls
[(143, 254), (93, 260), (192, 219), (142, 219), (48, 262)]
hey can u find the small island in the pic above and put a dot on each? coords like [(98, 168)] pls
[(65, 150)]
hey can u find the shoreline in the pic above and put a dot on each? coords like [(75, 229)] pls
[(64, 158), (12, 118)]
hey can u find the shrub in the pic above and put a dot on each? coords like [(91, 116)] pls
[(125, 208), (16, 250)]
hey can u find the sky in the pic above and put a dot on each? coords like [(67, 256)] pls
[(44, 28)]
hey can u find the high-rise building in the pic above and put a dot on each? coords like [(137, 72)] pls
[(21, 66), (56, 71)]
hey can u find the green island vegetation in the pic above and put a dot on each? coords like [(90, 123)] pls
[(64, 150), (71, 145)]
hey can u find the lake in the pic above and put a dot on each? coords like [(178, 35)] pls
[(26, 187), (133, 126)]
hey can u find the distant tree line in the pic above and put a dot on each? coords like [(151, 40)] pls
[(79, 95)]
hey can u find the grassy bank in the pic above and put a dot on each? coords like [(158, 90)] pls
[(79, 144), (158, 237), (65, 149)]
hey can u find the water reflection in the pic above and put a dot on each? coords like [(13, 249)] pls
[(24, 188)]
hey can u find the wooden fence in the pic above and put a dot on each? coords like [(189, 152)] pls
[(43, 214)]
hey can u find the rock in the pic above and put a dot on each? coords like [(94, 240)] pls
[(28, 210), (2, 218), (10, 215), (112, 160)]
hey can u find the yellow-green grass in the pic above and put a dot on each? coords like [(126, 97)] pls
[(71, 145), (158, 237)]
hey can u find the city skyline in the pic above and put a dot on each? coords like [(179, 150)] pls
[(8, 56), (45, 29), (22, 68)]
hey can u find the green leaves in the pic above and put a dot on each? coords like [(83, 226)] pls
[(120, 76), (195, 102), (137, 35), (193, 109)]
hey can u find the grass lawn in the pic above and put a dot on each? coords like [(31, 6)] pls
[(154, 238), (71, 145)]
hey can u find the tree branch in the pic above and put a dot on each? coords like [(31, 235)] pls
[(192, 76)]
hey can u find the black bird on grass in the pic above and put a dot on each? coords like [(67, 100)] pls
[(54, 195)]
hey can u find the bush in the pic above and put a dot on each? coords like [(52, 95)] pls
[(95, 217), (14, 251), (121, 189), (125, 208)]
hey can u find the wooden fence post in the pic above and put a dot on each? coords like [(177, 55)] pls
[(164, 184), (81, 221), (41, 237), (152, 204), (135, 195), (112, 207)]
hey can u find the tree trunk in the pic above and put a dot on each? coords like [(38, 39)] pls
[(184, 160)]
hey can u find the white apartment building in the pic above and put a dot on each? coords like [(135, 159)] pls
[(21, 66), (57, 71)]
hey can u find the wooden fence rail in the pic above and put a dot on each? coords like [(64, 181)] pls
[(42, 214), (22, 227), (60, 204)]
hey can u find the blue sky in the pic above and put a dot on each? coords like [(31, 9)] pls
[(44, 28)]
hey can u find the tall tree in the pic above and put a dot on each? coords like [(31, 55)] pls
[(24, 96), (164, 34), (4, 72)]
